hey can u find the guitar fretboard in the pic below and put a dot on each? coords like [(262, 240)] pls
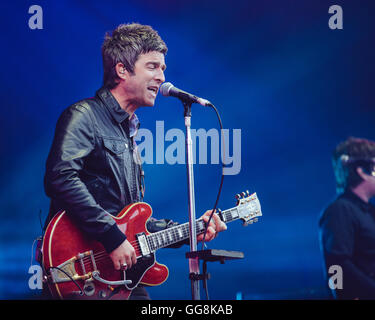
[(180, 232)]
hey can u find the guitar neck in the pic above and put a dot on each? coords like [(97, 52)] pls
[(170, 236)]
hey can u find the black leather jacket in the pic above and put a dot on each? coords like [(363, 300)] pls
[(91, 172)]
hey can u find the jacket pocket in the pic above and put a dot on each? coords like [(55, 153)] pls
[(115, 146)]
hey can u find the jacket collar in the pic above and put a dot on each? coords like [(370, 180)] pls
[(112, 105)]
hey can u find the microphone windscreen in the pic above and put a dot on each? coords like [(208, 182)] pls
[(165, 87)]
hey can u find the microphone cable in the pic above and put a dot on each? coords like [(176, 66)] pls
[(222, 173), (205, 285)]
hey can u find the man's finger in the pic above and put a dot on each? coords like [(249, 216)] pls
[(211, 233), (116, 265), (134, 258), (220, 225), (129, 262)]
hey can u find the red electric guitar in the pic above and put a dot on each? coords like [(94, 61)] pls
[(78, 267)]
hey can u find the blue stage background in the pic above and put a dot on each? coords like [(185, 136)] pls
[(274, 69)]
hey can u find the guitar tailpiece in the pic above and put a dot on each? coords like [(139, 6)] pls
[(95, 275)]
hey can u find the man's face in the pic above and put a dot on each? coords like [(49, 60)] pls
[(142, 86), (367, 174)]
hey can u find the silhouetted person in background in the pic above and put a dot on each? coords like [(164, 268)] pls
[(347, 225)]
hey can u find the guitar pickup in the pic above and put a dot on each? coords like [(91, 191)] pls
[(143, 244)]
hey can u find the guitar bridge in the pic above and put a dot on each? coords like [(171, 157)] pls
[(67, 272)]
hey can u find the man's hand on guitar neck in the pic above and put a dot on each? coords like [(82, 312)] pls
[(215, 226), (123, 255)]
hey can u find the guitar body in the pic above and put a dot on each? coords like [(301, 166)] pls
[(68, 254)]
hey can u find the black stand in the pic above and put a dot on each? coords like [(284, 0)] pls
[(193, 262), (210, 255), (195, 256)]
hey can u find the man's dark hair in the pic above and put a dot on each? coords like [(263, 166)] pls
[(347, 157), (125, 44)]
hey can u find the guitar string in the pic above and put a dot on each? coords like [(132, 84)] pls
[(102, 254), (174, 233), (184, 228), (157, 240), (154, 238), (135, 243)]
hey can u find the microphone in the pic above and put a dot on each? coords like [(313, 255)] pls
[(168, 89)]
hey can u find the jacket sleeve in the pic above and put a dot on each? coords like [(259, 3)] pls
[(73, 142)]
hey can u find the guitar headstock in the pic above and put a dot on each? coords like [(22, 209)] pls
[(248, 207)]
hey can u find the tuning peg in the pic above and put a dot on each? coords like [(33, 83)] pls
[(247, 192), (238, 196), (243, 194)]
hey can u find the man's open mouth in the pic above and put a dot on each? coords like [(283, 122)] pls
[(153, 89)]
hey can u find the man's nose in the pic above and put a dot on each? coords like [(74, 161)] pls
[(160, 76)]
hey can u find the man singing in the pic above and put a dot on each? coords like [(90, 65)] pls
[(91, 170)]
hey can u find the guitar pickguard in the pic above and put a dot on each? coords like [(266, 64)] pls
[(137, 271)]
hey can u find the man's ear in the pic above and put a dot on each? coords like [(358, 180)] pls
[(121, 71)]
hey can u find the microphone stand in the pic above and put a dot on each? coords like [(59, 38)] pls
[(194, 255), (194, 261)]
